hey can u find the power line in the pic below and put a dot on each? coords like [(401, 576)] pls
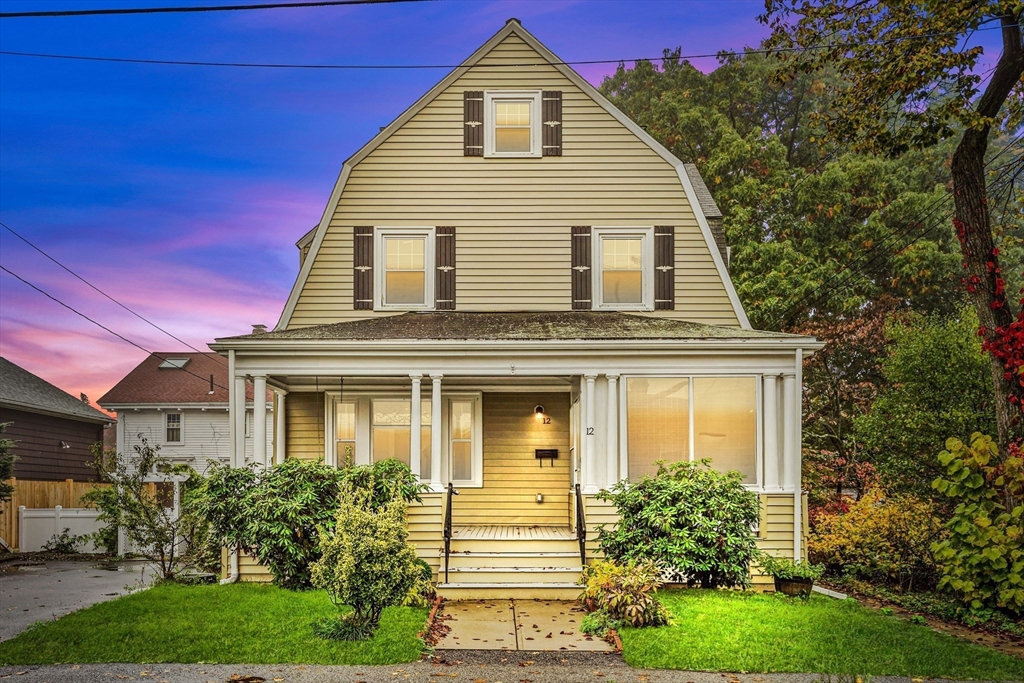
[(197, 8), (102, 326), (137, 315), (399, 67)]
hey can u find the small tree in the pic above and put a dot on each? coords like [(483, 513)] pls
[(7, 459), (691, 520), (366, 562), (154, 531)]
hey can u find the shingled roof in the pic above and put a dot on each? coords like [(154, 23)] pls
[(149, 383), (567, 325), (21, 390), (708, 206)]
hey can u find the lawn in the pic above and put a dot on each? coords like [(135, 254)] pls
[(238, 624), (734, 631)]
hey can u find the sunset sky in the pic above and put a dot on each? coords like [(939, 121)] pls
[(181, 190)]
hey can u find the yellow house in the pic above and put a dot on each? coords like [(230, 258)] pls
[(521, 294)]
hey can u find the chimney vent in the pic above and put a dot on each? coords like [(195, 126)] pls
[(259, 329)]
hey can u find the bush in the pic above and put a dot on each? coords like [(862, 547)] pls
[(277, 515), (689, 519), (6, 464), (983, 557), (422, 592), (64, 543), (787, 570), (884, 539), (598, 623), (624, 592), (366, 562)]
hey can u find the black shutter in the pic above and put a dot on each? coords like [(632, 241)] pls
[(362, 276), (473, 123), (444, 277), (581, 275), (664, 268), (551, 120)]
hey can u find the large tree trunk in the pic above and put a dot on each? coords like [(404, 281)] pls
[(973, 220)]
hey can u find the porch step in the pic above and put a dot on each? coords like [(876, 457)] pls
[(532, 574), (520, 591), (467, 558), (515, 545)]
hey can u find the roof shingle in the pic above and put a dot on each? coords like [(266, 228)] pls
[(20, 389), (149, 383)]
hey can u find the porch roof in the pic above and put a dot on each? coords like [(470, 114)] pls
[(512, 326)]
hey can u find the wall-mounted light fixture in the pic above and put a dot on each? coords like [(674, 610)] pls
[(65, 444), (538, 413)]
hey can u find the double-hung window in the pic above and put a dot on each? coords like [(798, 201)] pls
[(172, 428), (405, 268), (624, 272), (512, 125)]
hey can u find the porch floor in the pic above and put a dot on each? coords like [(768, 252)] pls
[(509, 532)]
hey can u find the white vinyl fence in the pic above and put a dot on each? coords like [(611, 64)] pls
[(36, 526)]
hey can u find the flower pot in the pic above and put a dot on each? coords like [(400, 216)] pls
[(794, 587)]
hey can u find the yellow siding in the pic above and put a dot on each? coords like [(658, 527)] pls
[(425, 522), (512, 475), (512, 216), (305, 425), (250, 570)]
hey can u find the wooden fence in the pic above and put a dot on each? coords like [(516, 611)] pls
[(39, 494)]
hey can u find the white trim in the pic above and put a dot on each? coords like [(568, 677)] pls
[(181, 428), (646, 235), (513, 26), (493, 96), (381, 233)]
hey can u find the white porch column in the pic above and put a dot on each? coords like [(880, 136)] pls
[(280, 440), (232, 407), (416, 426), (259, 420), (612, 446), (238, 420), (435, 432), (589, 440), (789, 423), (798, 489), (771, 433)]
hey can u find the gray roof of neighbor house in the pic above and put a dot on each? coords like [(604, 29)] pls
[(521, 326), (708, 206), (21, 390)]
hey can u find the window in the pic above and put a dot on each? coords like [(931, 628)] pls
[(345, 433), (390, 432), (692, 418), (512, 124), (405, 267), (465, 455), (172, 427), (624, 273)]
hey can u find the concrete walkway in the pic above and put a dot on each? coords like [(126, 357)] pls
[(44, 592), (534, 625)]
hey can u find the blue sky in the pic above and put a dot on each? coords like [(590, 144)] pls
[(181, 190)]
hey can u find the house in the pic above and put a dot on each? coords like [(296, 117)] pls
[(519, 292), (179, 402), (54, 432)]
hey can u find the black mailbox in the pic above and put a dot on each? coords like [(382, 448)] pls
[(543, 454)]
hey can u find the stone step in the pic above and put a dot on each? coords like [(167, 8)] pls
[(519, 591), (512, 575), (513, 559)]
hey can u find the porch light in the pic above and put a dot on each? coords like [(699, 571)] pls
[(538, 412)]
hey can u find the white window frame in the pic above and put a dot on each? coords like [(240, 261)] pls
[(492, 96), (181, 427), (478, 442), (758, 483), (646, 233), (427, 234)]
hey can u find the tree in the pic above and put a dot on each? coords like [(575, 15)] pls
[(7, 459), (910, 81)]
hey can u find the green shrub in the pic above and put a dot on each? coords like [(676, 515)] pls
[(881, 538), (625, 592), (598, 623), (982, 559), (788, 570), (64, 543), (422, 592), (277, 514), (689, 519), (6, 464), (366, 562)]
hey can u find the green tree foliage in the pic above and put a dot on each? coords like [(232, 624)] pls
[(7, 459), (983, 557), (938, 385), (278, 514), (690, 520), (366, 562)]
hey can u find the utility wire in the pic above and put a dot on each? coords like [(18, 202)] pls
[(24, 239), (399, 67), (102, 326), (195, 8)]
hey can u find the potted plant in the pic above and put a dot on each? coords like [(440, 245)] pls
[(791, 578)]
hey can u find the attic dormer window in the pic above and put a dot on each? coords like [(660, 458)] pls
[(174, 363), (512, 123)]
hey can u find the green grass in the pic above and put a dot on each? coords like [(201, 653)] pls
[(750, 632), (237, 624)]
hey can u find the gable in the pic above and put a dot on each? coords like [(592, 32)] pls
[(513, 216)]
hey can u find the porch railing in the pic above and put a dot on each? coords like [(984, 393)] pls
[(452, 491), (581, 526)]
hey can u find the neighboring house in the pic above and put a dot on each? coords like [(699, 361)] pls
[(520, 293), (54, 432), (179, 402)]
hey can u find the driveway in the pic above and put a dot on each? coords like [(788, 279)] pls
[(41, 592)]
